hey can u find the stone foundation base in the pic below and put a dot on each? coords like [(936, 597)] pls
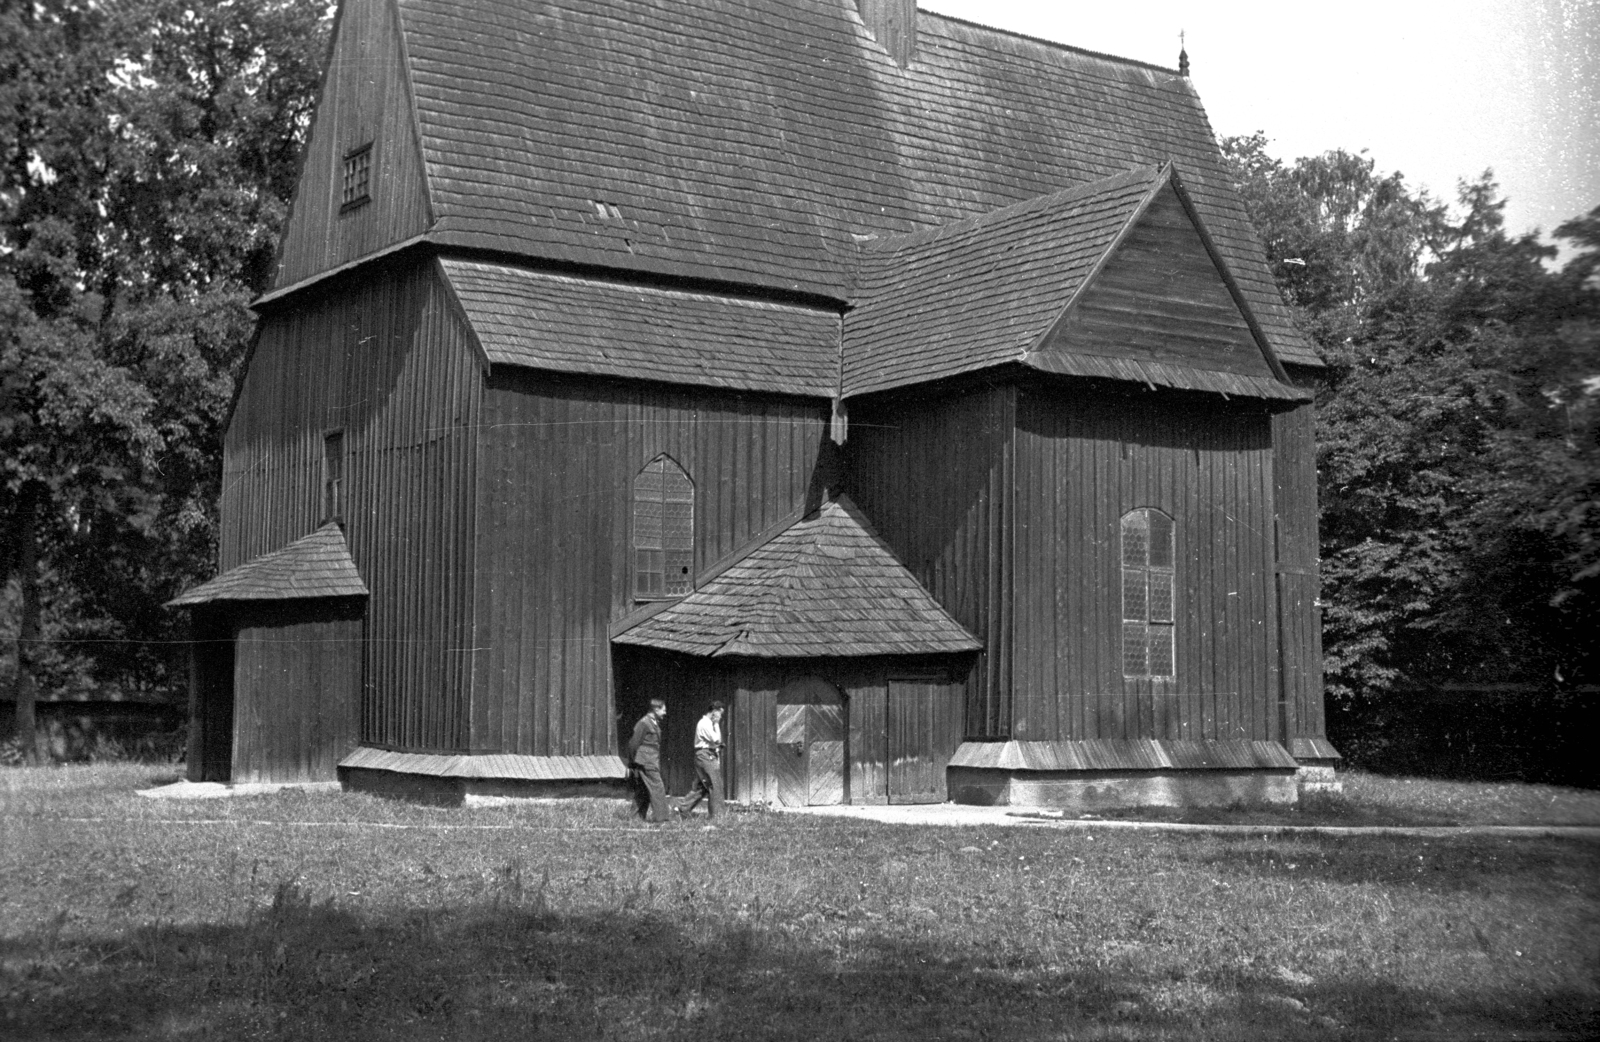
[(1316, 777), (453, 792), (1094, 791)]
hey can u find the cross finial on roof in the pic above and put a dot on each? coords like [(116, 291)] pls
[(1183, 56)]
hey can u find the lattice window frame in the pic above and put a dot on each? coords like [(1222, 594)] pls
[(663, 531), (356, 185), (1148, 540)]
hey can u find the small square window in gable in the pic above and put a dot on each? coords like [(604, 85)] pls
[(357, 187)]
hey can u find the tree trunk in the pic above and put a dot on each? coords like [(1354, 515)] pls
[(26, 687)]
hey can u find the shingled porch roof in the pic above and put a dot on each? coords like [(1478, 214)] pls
[(316, 565), (827, 586)]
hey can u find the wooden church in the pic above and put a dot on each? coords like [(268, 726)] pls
[(916, 388)]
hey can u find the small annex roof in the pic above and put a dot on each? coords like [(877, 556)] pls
[(826, 586), (991, 291), (316, 565), (565, 324)]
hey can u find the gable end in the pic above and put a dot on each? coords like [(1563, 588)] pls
[(1159, 296)]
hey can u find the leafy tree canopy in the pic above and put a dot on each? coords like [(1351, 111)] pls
[(147, 156), (1458, 461)]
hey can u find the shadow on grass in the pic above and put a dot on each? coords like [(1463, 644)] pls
[(516, 970)]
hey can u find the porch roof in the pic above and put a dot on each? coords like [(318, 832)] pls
[(316, 565), (827, 586)]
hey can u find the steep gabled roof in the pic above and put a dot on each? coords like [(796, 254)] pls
[(1000, 288), (980, 292), (826, 586), (565, 324), (751, 141), (316, 565)]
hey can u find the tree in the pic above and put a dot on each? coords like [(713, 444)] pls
[(147, 156), (1456, 429)]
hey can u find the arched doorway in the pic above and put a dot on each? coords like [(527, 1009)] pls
[(809, 753)]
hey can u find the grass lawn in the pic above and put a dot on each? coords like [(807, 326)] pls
[(1372, 799), (342, 916)]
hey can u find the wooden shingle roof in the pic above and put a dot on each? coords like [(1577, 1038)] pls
[(756, 141), (316, 565), (566, 324), (991, 290), (827, 586)]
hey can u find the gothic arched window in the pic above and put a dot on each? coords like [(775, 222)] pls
[(1147, 585), (663, 531)]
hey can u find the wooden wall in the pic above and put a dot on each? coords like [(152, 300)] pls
[(1006, 505), (297, 689), (365, 97), (389, 364), (1300, 620), (865, 684), (1161, 298), (933, 475), (1083, 460), (553, 510), (931, 709)]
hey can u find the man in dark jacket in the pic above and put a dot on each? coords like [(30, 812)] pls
[(644, 753)]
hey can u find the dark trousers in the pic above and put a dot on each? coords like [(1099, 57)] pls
[(707, 784), (649, 794)]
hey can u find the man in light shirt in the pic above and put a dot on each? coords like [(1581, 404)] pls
[(707, 764)]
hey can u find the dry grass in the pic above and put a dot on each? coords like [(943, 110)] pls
[(337, 915), (1373, 799)]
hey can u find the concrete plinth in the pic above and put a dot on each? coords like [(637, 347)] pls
[(1318, 777), (1096, 791), (453, 791)]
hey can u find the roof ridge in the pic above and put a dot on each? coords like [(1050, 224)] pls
[(1144, 173), (1054, 45)]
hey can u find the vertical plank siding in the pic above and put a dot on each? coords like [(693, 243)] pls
[(939, 715), (297, 688), (389, 364), (1087, 460), (554, 558), (935, 475), (364, 99), (1006, 503), (1300, 620)]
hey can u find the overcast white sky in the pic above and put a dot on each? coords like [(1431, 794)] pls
[(1437, 90)]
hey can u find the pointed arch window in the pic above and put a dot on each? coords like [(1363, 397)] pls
[(663, 531), (1148, 578)]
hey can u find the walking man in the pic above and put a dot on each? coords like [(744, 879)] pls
[(707, 763), (644, 753)]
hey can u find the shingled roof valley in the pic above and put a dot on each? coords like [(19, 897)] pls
[(826, 586), (757, 141)]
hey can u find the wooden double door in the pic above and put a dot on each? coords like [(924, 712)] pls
[(904, 737)]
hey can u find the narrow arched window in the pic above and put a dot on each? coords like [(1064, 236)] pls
[(663, 531), (1147, 585)]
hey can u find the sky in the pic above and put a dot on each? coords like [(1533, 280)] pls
[(1438, 91)]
